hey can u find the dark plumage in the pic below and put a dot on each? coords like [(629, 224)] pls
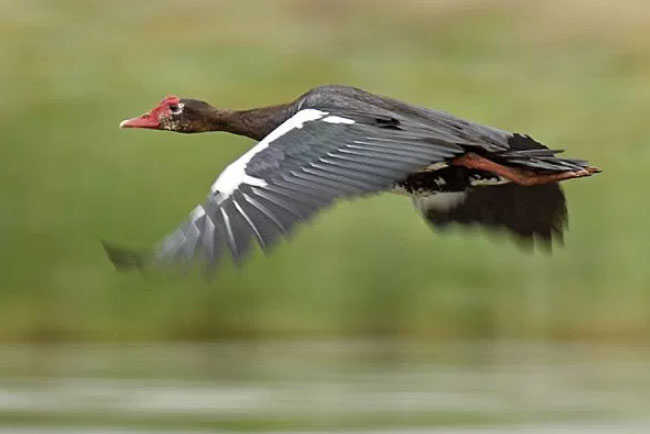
[(336, 142)]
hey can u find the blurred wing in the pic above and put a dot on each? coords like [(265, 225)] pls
[(537, 212), (303, 165)]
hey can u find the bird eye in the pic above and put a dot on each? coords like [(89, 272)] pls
[(176, 109)]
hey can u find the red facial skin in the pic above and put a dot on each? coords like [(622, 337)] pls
[(154, 118)]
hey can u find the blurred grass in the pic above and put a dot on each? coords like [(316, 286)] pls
[(573, 74)]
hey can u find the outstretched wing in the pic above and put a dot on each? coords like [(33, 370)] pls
[(536, 212), (303, 165)]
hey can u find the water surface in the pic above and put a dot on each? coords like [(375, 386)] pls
[(360, 386)]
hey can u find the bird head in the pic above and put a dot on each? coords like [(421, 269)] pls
[(181, 115)]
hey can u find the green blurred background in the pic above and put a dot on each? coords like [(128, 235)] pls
[(573, 74)]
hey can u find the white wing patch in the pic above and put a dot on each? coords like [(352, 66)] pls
[(337, 120), (234, 175)]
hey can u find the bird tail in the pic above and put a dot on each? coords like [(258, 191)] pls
[(528, 153), (125, 259)]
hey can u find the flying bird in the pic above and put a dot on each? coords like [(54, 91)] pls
[(342, 142)]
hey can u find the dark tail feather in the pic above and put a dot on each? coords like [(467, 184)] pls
[(125, 259), (528, 153), (531, 213)]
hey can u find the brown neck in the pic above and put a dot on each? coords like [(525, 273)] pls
[(254, 123)]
